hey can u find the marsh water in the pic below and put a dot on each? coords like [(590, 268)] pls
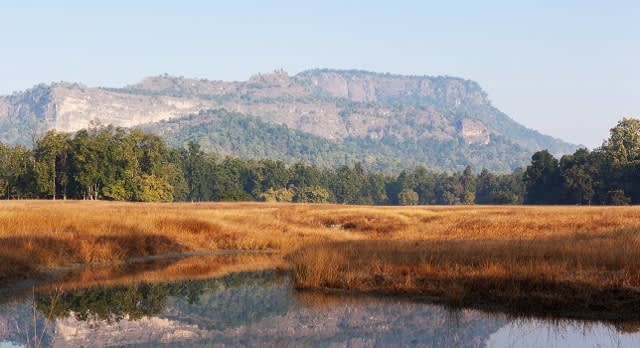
[(262, 308)]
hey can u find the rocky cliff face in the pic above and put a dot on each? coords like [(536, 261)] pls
[(333, 104), (71, 107)]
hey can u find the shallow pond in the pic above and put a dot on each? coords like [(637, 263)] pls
[(263, 309)]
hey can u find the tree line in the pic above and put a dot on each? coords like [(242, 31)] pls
[(609, 174), (111, 163)]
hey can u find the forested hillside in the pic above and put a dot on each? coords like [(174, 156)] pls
[(229, 133)]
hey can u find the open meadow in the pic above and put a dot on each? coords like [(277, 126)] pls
[(539, 259)]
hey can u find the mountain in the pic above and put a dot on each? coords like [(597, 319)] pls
[(323, 116)]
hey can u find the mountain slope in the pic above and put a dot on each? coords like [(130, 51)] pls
[(230, 133), (392, 120)]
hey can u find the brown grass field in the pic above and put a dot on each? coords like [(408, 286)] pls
[(540, 259)]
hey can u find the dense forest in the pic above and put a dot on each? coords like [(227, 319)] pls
[(249, 137), (110, 163)]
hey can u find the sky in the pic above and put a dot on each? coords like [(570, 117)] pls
[(570, 69)]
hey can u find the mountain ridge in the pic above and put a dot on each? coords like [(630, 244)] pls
[(341, 106)]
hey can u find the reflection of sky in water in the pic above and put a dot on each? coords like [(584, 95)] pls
[(262, 309), (7, 345), (526, 333)]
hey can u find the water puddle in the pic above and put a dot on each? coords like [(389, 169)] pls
[(200, 301)]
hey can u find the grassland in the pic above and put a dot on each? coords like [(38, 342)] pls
[(541, 259)]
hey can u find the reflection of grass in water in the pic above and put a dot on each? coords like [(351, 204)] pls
[(238, 299), (235, 298), (166, 270), (23, 324), (135, 302)]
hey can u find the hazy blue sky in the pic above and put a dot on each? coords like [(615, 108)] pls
[(570, 69)]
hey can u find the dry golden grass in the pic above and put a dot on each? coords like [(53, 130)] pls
[(39, 234), (451, 252), (576, 274)]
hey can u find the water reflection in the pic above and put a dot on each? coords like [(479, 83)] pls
[(262, 309), (538, 333)]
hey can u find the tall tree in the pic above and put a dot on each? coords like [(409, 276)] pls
[(578, 175), (623, 145), (542, 179), (51, 159), (468, 182), (196, 167)]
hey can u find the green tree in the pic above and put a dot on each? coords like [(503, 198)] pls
[(542, 179), (274, 174), (311, 194), (154, 189), (425, 185), (17, 174), (277, 195), (302, 175), (197, 168), (486, 186), (618, 197), (468, 182), (408, 197), (349, 185), (449, 189), (623, 145), (376, 189), (578, 175), (230, 177), (51, 159), (621, 152)]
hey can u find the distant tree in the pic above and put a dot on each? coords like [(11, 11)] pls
[(376, 189), (578, 176), (154, 189), (425, 185), (86, 164), (468, 182), (274, 174), (302, 175), (623, 145), (277, 195), (408, 197), (618, 197), (349, 185), (230, 179), (621, 153), (542, 179), (309, 194), (197, 167), (17, 174), (486, 186), (51, 155), (450, 190)]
